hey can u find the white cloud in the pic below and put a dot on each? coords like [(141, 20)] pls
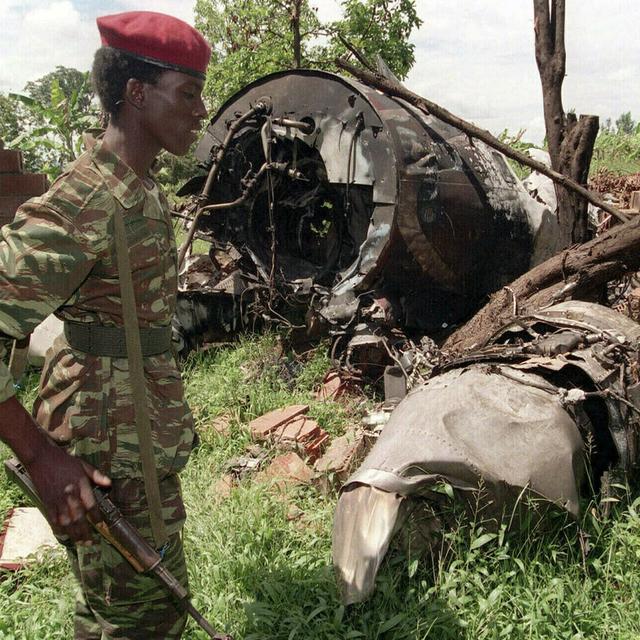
[(476, 58), (36, 37), (59, 15), (327, 10)]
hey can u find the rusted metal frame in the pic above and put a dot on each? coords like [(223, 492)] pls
[(266, 135), (196, 219), (394, 358), (263, 106), (177, 214), (351, 159), (278, 166), (304, 127), (394, 89)]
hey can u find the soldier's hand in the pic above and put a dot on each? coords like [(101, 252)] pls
[(64, 484)]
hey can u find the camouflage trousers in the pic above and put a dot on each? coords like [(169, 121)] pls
[(113, 600)]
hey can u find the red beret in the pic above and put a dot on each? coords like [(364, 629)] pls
[(157, 38)]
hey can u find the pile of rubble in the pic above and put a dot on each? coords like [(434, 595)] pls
[(291, 448), (620, 189)]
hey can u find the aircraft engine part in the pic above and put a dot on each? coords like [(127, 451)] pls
[(343, 191), (550, 401)]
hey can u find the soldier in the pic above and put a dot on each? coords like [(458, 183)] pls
[(59, 255)]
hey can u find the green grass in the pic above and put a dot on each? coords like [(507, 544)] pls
[(617, 152), (262, 575)]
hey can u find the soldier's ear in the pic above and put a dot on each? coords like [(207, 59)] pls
[(134, 93)]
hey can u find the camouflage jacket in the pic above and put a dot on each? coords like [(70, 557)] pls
[(59, 256)]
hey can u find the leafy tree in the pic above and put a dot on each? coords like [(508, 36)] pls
[(11, 118), (252, 38), (379, 27), (52, 135), (519, 144), (625, 124), (173, 171), (68, 79), (617, 149)]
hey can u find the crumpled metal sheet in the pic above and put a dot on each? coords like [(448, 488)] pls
[(587, 315), (472, 428), (370, 538), (613, 341)]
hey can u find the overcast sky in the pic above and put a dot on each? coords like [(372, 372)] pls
[(474, 57)]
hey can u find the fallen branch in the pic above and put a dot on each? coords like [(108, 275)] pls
[(394, 89)]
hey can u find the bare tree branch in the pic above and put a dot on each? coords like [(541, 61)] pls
[(359, 56), (570, 141), (557, 22), (295, 28)]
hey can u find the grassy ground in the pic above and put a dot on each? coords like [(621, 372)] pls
[(617, 152), (262, 574)]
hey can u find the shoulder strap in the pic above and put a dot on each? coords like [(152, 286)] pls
[(138, 384)]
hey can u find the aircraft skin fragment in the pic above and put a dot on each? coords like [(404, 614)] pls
[(515, 426)]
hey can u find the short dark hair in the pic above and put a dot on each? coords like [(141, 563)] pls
[(111, 71)]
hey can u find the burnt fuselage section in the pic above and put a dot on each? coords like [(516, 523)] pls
[(345, 196)]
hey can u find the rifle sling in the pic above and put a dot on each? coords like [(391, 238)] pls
[(138, 384)]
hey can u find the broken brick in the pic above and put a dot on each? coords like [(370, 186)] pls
[(287, 469), (342, 456), (303, 434), (334, 386), (261, 427), (8, 207), (297, 430), (314, 448), (10, 161), (25, 184)]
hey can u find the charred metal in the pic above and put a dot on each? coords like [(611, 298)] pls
[(543, 416), (345, 211)]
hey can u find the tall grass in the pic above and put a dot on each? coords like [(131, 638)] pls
[(617, 152), (262, 570)]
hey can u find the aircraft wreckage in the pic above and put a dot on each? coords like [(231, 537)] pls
[(329, 204), (328, 201), (544, 414)]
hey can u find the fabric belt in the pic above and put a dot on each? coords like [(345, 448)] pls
[(99, 340)]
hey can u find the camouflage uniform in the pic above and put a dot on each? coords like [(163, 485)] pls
[(59, 255)]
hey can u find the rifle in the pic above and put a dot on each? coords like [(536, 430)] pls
[(125, 538)]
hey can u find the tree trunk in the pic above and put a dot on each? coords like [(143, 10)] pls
[(295, 28), (570, 140), (575, 273)]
